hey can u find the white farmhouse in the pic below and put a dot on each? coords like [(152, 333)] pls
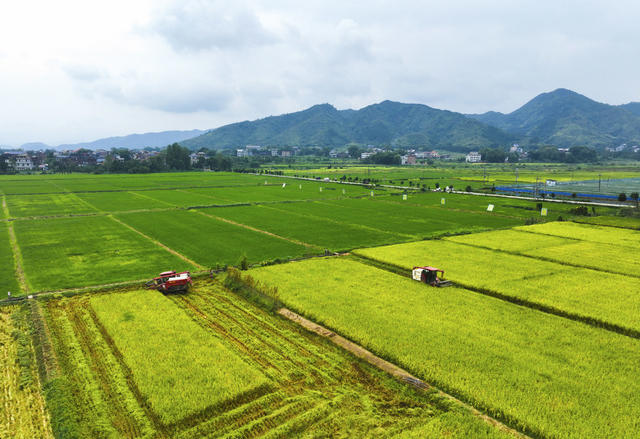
[(23, 163), (473, 157)]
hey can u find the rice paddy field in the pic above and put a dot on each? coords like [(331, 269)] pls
[(538, 336)]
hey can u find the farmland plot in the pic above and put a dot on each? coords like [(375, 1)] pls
[(613, 221), (209, 241), (120, 201), (177, 366), (299, 384), (319, 231), (73, 252), (8, 280), (292, 190), (547, 375), (605, 297), (591, 233), (599, 256), (46, 205), (412, 221), (502, 206)]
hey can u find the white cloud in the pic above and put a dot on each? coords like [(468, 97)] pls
[(79, 70), (204, 25)]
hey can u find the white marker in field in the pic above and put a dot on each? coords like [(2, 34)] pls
[(404, 197), (490, 208), (320, 189), (265, 182), (442, 201), (300, 186), (283, 185), (343, 192), (372, 193), (543, 211)]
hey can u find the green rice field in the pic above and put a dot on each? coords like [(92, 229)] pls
[(538, 337)]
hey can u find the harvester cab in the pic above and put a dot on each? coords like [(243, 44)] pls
[(171, 282), (429, 275)]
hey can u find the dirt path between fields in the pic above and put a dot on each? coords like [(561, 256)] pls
[(228, 221), (158, 243), (17, 255), (391, 368)]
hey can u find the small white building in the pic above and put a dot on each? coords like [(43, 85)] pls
[(551, 182), (473, 157)]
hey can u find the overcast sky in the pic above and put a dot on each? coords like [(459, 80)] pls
[(79, 70)]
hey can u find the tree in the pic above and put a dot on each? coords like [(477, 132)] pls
[(354, 151), (622, 197), (634, 196), (177, 157), (493, 155)]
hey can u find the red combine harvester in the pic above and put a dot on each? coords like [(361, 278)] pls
[(171, 282), (429, 275)]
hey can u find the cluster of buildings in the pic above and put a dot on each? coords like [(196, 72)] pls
[(21, 161), (29, 161), (255, 150), (623, 147), (412, 156)]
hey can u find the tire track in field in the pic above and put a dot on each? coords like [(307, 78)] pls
[(245, 226), (17, 254), (158, 243), (392, 369)]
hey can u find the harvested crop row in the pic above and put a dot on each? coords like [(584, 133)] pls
[(22, 412), (540, 373)]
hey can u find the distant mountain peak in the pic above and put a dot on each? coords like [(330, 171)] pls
[(565, 118)]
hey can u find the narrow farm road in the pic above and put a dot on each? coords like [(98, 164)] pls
[(391, 368)]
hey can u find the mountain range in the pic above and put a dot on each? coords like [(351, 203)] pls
[(562, 118), (386, 123), (133, 141)]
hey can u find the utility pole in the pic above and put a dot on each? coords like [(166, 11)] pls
[(599, 180), (516, 177), (536, 190)]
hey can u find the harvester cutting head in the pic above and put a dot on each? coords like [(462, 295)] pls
[(171, 282), (429, 275)]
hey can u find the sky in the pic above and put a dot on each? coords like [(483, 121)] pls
[(79, 70)]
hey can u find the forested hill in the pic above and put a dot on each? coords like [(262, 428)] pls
[(386, 123), (564, 118)]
